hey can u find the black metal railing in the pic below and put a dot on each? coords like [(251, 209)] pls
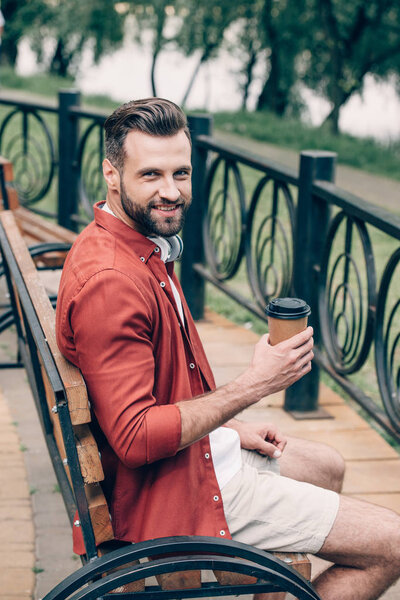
[(57, 153), (279, 232), (256, 230)]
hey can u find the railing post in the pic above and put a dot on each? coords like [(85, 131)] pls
[(312, 219), (67, 173), (192, 284)]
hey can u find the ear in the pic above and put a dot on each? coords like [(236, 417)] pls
[(111, 175)]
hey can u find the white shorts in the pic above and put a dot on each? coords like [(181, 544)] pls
[(272, 512)]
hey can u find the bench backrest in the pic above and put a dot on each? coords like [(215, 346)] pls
[(59, 392)]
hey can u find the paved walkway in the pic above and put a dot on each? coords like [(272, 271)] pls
[(35, 533), (377, 189)]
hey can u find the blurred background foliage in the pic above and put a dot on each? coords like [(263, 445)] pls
[(327, 45)]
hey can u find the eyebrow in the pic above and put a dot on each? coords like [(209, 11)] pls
[(149, 168)]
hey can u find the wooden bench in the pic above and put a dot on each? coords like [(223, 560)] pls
[(178, 563), (38, 232)]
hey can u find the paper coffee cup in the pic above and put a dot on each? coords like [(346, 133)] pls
[(286, 317)]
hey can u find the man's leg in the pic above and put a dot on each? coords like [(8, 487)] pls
[(364, 544), (313, 462)]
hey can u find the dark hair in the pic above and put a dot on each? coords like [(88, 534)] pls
[(154, 116)]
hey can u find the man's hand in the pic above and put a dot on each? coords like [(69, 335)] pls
[(274, 368), (263, 438)]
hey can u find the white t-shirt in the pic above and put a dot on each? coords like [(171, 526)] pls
[(224, 441)]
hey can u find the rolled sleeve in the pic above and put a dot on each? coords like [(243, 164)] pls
[(112, 325)]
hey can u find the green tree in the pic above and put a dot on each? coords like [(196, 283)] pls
[(283, 31), (202, 31), (247, 46), (351, 40), (75, 24), (153, 15), (21, 18), (275, 32)]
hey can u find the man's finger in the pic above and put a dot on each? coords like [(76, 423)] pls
[(267, 449), (299, 339)]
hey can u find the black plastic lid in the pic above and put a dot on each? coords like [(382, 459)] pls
[(287, 308)]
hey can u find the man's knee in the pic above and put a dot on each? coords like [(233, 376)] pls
[(313, 462), (337, 467)]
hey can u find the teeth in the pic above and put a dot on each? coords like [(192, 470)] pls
[(166, 208)]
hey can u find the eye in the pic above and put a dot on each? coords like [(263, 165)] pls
[(182, 173), (150, 174)]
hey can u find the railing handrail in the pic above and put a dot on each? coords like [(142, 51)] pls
[(87, 113), (51, 106), (357, 207), (230, 152)]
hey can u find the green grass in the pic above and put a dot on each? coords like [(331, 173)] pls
[(363, 153), (40, 83), (48, 86)]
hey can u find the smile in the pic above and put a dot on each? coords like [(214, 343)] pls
[(168, 208)]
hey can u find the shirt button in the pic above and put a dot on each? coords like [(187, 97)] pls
[(207, 455), (162, 283), (142, 258), (156, 249), (192, 365), (222, 532), (216, 498)]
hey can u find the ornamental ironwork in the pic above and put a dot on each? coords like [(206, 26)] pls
[(223, 226), (92, 187), (26, 140), (347, 294), (269, 240), (387, 339)]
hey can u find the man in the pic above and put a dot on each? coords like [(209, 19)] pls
[(170, 443)]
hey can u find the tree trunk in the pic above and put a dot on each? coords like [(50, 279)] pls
[(11, 35), (152, 74), (332, 120), (249, 77), (60, 62), (274, 96), (338, 98), (203, 59)]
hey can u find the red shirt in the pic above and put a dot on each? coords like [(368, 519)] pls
[(117, 321)]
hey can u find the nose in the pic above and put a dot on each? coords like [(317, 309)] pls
[(168, 189)]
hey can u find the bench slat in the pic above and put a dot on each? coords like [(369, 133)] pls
[(42, 230), (71, 376), (99, 513)]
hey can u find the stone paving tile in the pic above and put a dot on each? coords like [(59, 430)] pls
[(13, 510), (16, 523), (23, 558), (17, 530), (16, 488), (16, 581)]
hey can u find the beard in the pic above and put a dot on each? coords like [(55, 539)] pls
[(150, 224)]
